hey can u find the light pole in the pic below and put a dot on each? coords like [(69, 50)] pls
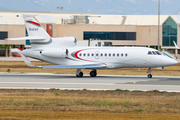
[(158, 23), (59, 8)]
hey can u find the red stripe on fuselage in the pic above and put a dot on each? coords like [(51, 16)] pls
[(76, 55), (33, 23)]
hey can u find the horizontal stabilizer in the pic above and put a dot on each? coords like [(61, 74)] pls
[(27, 38), (76, 66)]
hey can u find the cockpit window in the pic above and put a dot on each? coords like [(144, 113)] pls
[(158, 52), (149, 53), (154, 53)]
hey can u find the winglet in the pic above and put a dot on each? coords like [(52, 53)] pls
[(19, 50), (176, 45), (30, 64)]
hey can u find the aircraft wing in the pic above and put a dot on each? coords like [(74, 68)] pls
[(95, 66), (30, 64)]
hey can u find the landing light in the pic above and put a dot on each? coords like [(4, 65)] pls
[(159, 68)]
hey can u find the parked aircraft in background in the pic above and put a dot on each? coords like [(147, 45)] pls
[(63, 53)]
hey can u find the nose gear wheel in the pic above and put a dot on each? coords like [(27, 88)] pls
[(149, 71)]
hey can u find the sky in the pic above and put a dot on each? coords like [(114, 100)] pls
[(110, 7)]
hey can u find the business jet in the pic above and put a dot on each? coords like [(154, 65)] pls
[(63, 53)]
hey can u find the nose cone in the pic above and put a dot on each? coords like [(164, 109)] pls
[(166, 61), (171, 62), (174, 62)]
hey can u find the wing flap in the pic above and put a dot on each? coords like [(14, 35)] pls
[(76, 66)]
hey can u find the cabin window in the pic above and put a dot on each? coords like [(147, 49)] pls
[(118, 54), (88, 54), (113, 54), (122, 54), (101, 54), (92, 54), (96, 54), (84, 54), (109, 54), (80, 54), (126, 54), (105, 54), (149, 53)]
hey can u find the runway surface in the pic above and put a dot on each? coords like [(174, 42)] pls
[(101, 82)]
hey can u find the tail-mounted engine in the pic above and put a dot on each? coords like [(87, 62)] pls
[(57, 53), (65, 42)]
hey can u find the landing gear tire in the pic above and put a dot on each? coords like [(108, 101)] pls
[(149, 71), (149, 76), (80, 74), (93, 73)]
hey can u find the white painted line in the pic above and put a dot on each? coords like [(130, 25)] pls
[(48, 83)]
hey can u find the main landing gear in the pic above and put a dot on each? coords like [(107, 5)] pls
[(79, 73), (93, 73), (149, 71)]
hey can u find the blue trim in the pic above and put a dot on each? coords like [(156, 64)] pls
[(167, 55), (73, 66)]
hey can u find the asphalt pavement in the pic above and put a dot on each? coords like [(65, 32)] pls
[(101, 82)]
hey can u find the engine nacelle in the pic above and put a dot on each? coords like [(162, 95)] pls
[(65, 41), (57, 53)]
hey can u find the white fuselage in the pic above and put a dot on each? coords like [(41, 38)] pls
[(113, 57), (63, 53)]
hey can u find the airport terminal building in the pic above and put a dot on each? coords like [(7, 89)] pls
[(101, 30)]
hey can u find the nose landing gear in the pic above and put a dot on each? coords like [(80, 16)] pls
[(149, 76), (149, 71)]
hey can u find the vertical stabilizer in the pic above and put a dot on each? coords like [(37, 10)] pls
[(34, 29)]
